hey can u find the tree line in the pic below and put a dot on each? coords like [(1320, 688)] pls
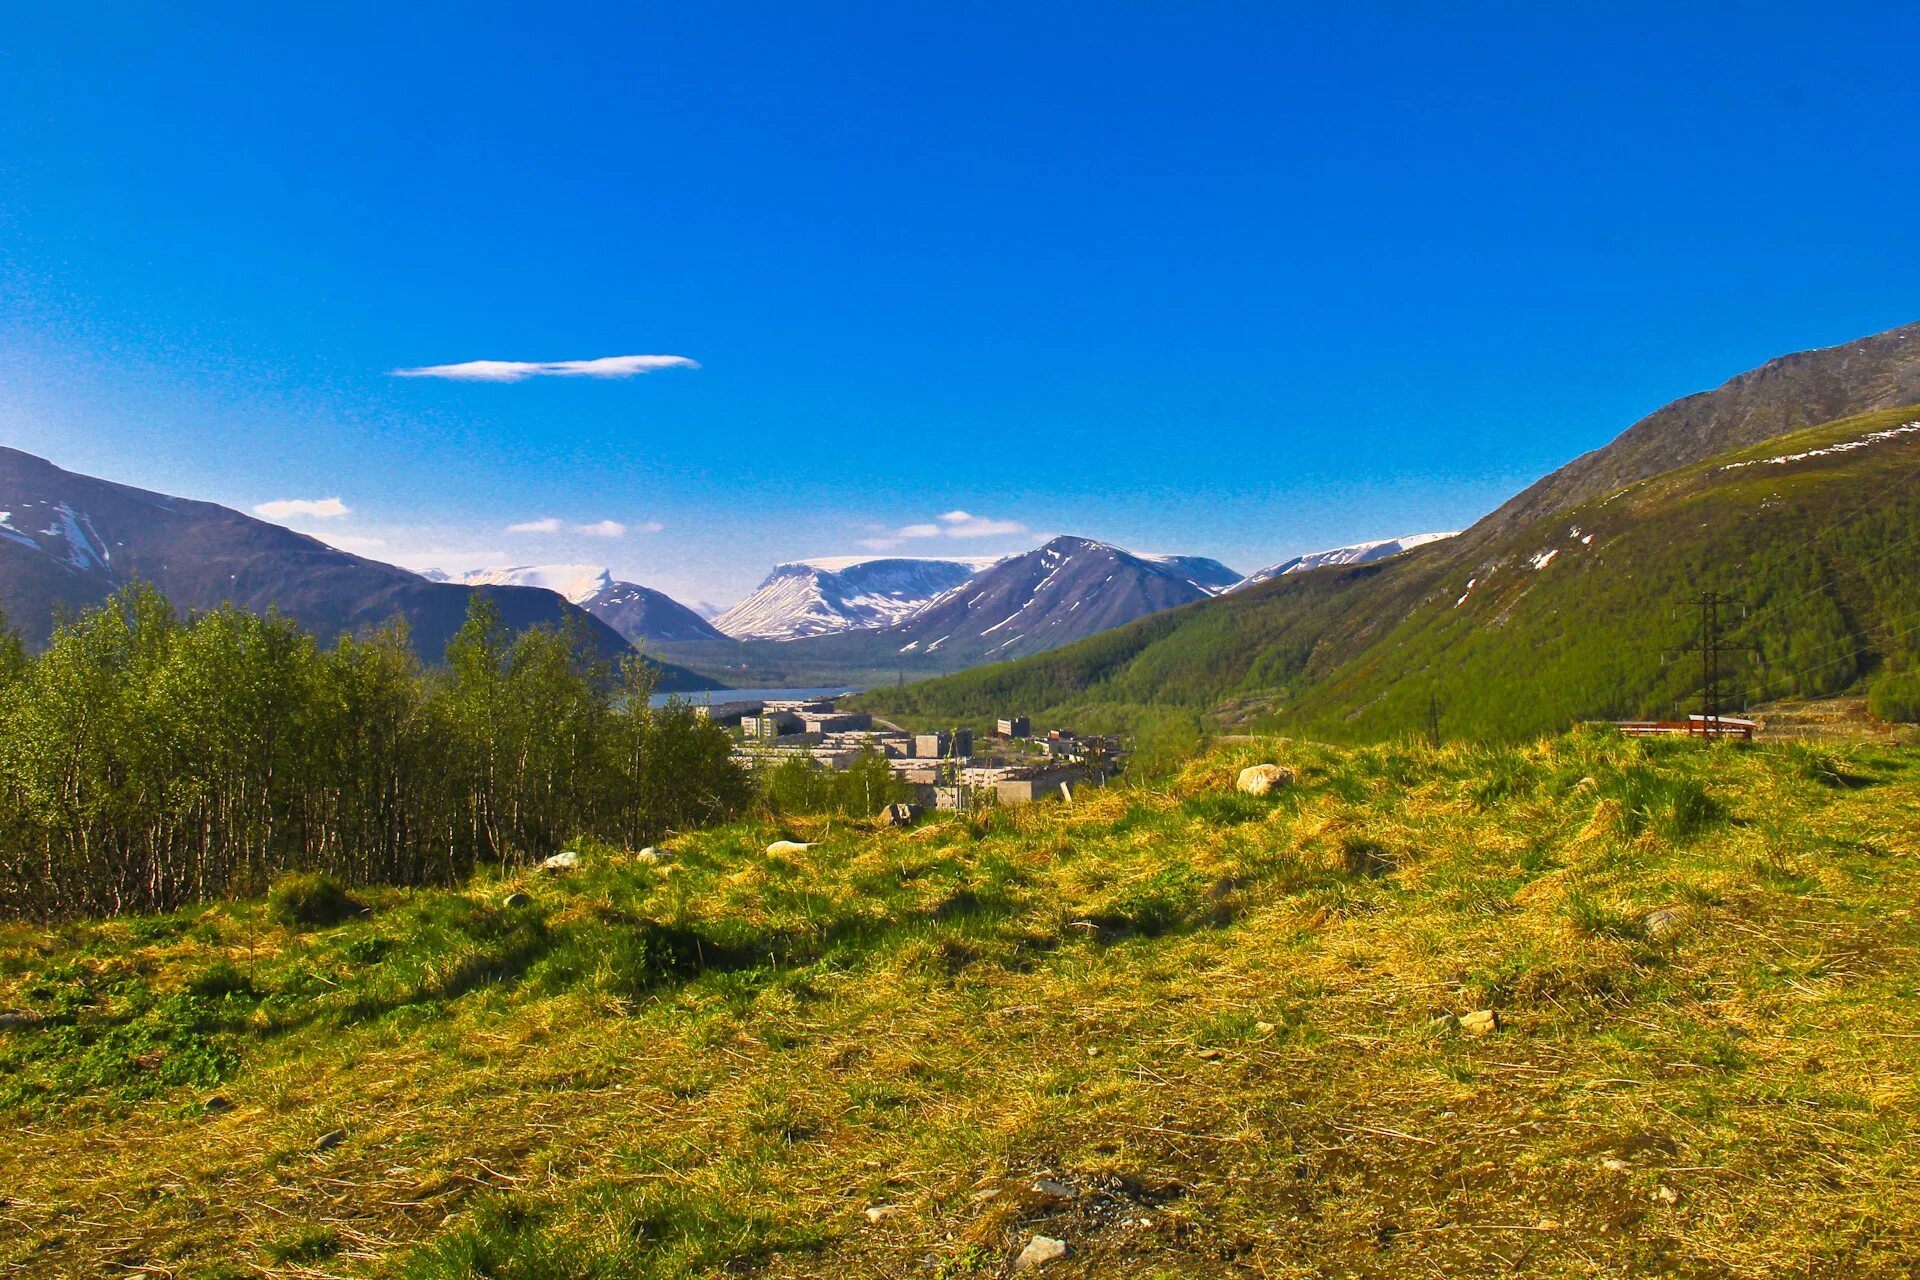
[(149, 760)]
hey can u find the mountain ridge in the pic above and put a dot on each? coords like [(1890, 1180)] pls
[(1560, 602), (70, 540)]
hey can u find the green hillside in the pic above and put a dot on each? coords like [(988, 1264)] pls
[(1226, 1029), (1570, 617)]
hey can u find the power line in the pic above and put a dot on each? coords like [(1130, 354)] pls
[(1712, 648)]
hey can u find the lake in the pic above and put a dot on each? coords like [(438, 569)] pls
[(701, 696)]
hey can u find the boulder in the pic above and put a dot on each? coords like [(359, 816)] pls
[(881, 1212), (13, 1020), (1259, 779), (330, 1139), (1481, 1022), (1040, 1251), (1049, 1191), (655, 856), (561, 862), (790, 846), (1665, 924), (516, 900)]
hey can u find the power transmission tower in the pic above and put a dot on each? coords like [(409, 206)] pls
[(1712, 647)]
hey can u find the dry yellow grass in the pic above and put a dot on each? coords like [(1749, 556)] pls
[(1224, 1023)]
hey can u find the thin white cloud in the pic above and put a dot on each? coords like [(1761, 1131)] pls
[(521, 370), (960, 524), (314, 508), (879, 544), (980, 527), (351, 542), (591, 529)]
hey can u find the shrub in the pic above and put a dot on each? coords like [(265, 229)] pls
[(305, 900)]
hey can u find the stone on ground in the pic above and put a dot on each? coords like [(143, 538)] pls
[(1259, 779), (1039, 1252)]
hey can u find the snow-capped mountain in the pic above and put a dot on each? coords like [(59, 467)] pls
[(1067, 590), (1358, 553), (69, 541), (577, 582), (636, 612), (1210, 576), (831, 594)]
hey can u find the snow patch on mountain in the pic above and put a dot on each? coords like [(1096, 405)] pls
[(579, 583), (1845, 446), (1358, 553)]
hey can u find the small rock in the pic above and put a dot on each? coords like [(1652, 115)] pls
[(981, 1197), (1664, 924), (790, 846), (1039, 1252), (881, 1212), (1054, 1192), (215, 1104), (1209, 1055), (516, 900), (566, 861), (1257, 780), (1614, 1164), (329, 1140), (1093, 1051), (1481, 1022), (1264, 1028), (1667, 1195), (12, 1020), (655, 856)]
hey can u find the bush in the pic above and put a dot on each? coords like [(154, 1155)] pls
[(1896, 697), (304, 900)]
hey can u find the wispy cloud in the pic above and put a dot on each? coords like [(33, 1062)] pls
[(879, 544), (546, 524), (313, 508), (960, 524), (351, 542), (521, 370), (590, 529)]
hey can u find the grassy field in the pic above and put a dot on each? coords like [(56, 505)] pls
[(1227, 1027)]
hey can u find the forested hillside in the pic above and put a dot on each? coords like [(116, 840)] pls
[(1815, 534)]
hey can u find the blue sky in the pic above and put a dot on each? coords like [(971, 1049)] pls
[(1228, 279)]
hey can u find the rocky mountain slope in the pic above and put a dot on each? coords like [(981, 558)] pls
[(1560, 604), (69, 540), (1804, 389), (828, 595)]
